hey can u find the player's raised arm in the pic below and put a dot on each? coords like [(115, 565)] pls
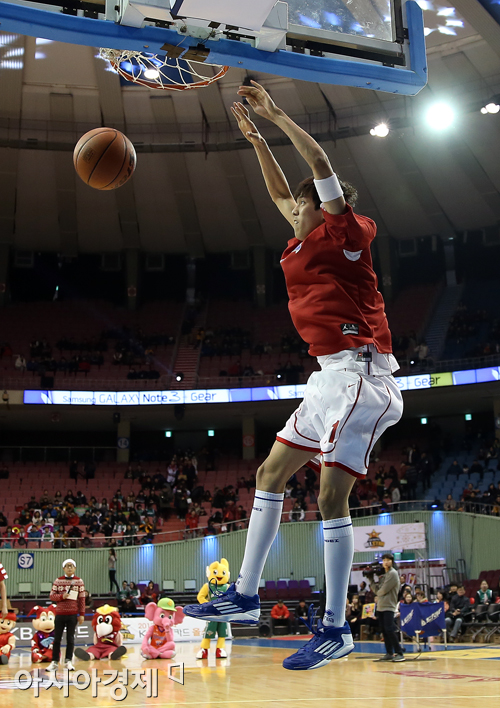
[(329, 190), (275, 180)]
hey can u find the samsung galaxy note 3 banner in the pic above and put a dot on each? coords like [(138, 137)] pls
[(237, 395)]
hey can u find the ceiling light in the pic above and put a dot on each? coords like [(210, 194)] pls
[(151, 74), (380, 131), (440, 116), (493, 106), (446, 30)]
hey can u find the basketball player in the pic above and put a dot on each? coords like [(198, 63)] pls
[(337, 309)]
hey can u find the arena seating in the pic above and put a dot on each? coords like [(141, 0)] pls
[(477, 310), (443, 484), (83, 321), (110, 478), (412, 308), (86, 320)]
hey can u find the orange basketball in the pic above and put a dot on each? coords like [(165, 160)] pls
[(104, 158)]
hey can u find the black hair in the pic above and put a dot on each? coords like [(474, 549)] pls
[(390, 557), (307, 188)]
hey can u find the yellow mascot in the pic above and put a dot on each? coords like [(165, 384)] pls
[(218, 581)]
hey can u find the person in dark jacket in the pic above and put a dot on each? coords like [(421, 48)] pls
[(459, 603)]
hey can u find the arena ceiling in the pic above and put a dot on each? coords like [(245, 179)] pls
[(198, 188)]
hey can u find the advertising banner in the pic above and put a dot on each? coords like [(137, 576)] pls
[(427, 618), (133, 631), (236, 395), (390, 537)]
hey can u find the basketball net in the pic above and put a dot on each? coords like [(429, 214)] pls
[(166, 73)]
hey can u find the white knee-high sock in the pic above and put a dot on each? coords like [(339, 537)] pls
[(262, 529), (339, 552)]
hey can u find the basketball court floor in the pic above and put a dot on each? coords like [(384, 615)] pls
[(252, 675)]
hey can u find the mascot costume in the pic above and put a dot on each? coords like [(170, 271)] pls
[(7, 639), (43, 636), (218, 582), (158, 642), (107, 637)]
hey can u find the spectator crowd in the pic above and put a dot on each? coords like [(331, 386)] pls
[(130, 348)]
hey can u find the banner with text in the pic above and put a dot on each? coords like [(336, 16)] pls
[(133, 631), (392, 537), (427, 618)]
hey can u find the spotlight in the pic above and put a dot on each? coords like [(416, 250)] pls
[(440, 116), (380, 131), (151, 74), (179, 376)]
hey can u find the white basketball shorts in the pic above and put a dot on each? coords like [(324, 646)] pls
[(342, 416)]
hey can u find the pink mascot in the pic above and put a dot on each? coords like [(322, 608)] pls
[(158, 642)]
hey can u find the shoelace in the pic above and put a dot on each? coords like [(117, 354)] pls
[(317, 633), (311, 619)]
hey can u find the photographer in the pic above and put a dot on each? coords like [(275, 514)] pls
[(386, 590)]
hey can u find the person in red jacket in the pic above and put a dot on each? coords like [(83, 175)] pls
[(68, 594), (280, 616)]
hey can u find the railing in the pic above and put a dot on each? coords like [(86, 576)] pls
[(100, 541), (81, 383), (245, 381)]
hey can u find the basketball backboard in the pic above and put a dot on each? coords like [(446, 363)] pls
[(375, 44)]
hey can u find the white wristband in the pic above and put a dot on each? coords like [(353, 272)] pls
[(328, 188)]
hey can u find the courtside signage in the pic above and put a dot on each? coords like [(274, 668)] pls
[(238, 395)]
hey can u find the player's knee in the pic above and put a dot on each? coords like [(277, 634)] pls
[(266, 474), (332, 503)]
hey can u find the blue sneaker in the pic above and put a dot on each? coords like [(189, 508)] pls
[(228, 606), (327, 644)]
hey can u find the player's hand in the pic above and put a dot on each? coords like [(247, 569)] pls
[(5, 611), (65, 596), (260, 100), (80, 619), (247, 127)]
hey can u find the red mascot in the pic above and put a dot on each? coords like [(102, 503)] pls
[(43, 638), (107, 636), (7, 638)]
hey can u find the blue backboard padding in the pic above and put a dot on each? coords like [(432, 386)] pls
[(98, 33)]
